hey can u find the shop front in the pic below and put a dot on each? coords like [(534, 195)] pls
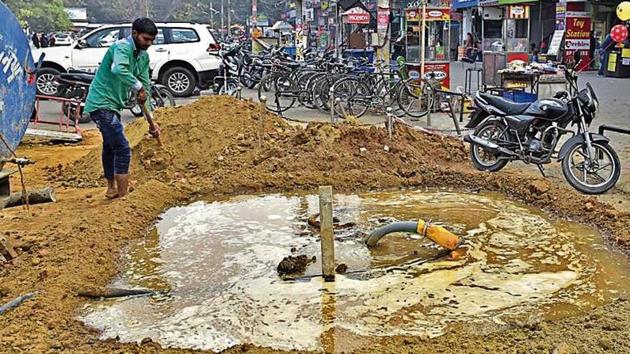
[(506, 36), (427, 41), (470, 23)]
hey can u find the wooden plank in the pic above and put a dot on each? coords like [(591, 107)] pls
[(54, 135), (326, 232)]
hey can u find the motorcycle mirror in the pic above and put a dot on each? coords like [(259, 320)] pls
[(577, 58)]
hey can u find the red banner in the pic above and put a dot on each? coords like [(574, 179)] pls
[(578, 28), (578, 38), (357, 15)]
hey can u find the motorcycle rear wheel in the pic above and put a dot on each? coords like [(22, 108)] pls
[(482, 159)]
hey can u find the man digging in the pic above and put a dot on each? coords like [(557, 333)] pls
[(125, 67)]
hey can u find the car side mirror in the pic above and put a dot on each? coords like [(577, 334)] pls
[(81, 44)]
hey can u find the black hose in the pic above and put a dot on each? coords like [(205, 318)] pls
[(402, 226)]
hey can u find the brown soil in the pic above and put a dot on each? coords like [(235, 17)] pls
[(220, 146)]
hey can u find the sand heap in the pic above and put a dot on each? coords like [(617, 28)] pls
[(231, 145)]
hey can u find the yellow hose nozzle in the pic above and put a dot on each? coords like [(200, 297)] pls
[(438, 234)]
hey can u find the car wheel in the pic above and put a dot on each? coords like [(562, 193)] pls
[(46, 82), (180, 81)]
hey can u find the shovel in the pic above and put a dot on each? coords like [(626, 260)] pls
[(149, 117)]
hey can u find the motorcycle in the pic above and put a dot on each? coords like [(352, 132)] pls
[(530, 132), (76, 83), (227, 81)]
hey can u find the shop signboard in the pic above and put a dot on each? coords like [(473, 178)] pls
[(432, 14), (577, 44), (440, 72), (578, 37), (556, 40), (357, 15), (462, 4), (488, 2), (578, 28), (561, 10), (519, 12), (437, 71)]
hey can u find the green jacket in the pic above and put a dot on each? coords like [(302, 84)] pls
[(120, 71)]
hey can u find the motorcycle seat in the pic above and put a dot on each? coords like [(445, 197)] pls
[(508, 107), (293, 65), (82, 78)]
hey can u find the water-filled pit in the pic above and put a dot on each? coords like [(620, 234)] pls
[(215, 263)]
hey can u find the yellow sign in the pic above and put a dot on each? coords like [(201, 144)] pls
[(515, 84), (256, 32), (612, 62)]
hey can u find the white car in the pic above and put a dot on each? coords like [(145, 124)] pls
[(180, 56), (62, 39)]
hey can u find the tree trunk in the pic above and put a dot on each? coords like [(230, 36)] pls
[(45, 195)]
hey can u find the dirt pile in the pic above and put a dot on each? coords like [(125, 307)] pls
[(219, 141), (223, 146)]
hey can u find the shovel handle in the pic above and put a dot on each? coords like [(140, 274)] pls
[(149, 117)]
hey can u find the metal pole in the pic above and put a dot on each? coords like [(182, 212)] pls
[(423, 41), (390, 122), (429, 107), (261, 126), (222, 16), (229, 15), (331, 95), (326, 232)]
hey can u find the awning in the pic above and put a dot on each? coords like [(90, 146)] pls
[(282, 26), (462, 4)]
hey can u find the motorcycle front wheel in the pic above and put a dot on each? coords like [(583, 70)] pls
[(485, 160), (593, 173)]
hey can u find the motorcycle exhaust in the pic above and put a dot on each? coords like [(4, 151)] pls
[(488, 145)]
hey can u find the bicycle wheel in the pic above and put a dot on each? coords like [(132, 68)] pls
[(414, 98), (354, 95), (279, 90), (161, 96), (305, 95), (321, 93)]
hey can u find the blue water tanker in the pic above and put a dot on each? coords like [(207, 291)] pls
[(17, 83)]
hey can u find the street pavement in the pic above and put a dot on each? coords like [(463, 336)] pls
[(614, 95)]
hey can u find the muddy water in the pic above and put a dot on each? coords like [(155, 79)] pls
[(215, 264)]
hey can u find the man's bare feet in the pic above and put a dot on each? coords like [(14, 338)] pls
[(122, 183), (112, 191)]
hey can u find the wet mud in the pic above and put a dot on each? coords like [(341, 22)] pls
[(222, 147)]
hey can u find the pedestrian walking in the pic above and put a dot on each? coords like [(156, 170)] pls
[(43, 40), (36, 41), (51, 39)]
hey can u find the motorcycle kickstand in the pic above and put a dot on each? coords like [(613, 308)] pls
[(542, 170)]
